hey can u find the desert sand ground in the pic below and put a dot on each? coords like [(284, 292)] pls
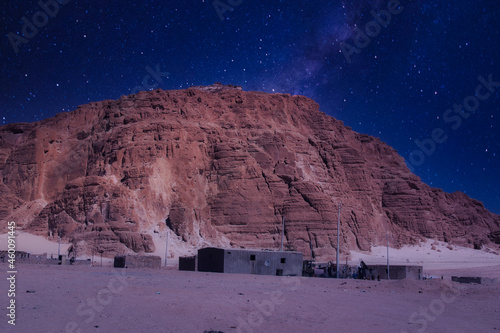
[(101, 299), (105, 299)]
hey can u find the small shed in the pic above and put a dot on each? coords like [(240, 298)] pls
[(187, 263), (137, 261), (243, 261)]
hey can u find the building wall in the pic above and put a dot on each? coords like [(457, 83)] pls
[(263, 262), (187, 263), (241, 261), (211, 259)]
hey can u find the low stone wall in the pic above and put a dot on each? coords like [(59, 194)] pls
[(397, 272), (137, 261)]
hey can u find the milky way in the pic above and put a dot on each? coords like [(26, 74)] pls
[(395, 79)]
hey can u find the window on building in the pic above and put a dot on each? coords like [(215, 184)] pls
[(283, 260), (252, 257), (279, 272)]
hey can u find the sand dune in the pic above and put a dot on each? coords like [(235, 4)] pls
[(34, 244), (437, 258)]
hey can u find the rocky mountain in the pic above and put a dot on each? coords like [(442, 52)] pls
[(220, 166)]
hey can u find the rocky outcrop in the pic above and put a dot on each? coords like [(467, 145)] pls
[(220, 166)]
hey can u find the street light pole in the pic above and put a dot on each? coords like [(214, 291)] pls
[(166, 249), (282, 231), (388, 275), (59, 246), (338, 240)]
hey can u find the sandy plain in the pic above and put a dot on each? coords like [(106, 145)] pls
[(105, 299)]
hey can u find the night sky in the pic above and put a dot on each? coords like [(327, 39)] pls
[(429, 74)]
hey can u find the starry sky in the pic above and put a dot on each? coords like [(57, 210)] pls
[(423, 76)]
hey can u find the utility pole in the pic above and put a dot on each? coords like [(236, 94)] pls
[(388, 276), (282, 231), (166, 249), (59, 246), (94, 244), (338, 240)]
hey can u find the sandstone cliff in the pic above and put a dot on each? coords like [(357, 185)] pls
[(220, 166)]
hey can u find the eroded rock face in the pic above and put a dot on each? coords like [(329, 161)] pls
[(220, 166)]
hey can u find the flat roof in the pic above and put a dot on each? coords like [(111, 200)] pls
[(250, 250)]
